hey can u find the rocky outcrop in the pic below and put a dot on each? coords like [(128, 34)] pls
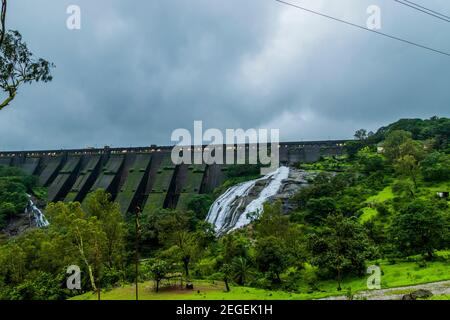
[(419, 294), (18, 225), (296, 180)]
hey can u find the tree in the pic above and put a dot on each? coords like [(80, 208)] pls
[(361, 134), (226, 271), (158, 271), (341, 246), (13, 264), (272, 221), (393, 142), (84, 233), (436, 167), (352, 147), (407, 166), (200, 204), (413, 148), (99, 204), (271, 257), (234, 246), (241, 270), (420, 227), (233, 259), (318, 209), (17, 66), (3, 22), (174, 230)]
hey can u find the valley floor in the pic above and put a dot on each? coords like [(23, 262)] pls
[(397, 280)]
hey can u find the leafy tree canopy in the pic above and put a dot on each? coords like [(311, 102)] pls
[(18, 66)]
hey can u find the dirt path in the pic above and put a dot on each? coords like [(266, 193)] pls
[(437, 288)]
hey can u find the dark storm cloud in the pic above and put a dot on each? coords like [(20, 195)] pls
[(139, 69)]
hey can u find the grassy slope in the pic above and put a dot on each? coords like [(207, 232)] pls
[(386, 194), (369, 212), (397, 275)]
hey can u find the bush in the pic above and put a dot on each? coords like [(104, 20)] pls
[(370, 161), (39, 286), (111, 277), (205, 267), (237, 171), (200, 204)]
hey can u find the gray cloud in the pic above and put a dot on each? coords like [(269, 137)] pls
[(138, 70)]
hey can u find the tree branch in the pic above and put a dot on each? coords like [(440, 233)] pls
[(7, 101), (3, 22)]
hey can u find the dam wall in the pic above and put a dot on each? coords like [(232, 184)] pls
[(145, 178)]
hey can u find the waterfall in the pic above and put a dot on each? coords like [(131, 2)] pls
[(37, 214), (230, 211)]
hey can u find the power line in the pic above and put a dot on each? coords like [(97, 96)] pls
[(364, 28), (424, 10), (418, 5)]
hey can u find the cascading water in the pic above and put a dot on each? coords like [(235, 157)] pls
[(36, 213), (231, 210)]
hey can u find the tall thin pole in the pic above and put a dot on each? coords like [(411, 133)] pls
[(138, 231), (97, 258)]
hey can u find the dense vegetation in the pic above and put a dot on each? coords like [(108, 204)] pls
[(34, 265), (378, 205), (14, 185)]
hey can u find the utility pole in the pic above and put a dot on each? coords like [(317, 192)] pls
[(97, 258), (138, 233)]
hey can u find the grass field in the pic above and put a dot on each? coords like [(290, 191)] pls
[(382, 196), (442, 297), (395, 275)]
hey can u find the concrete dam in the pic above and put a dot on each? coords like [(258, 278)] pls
[(144, 177)]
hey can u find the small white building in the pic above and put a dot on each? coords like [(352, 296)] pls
[(443, 195)]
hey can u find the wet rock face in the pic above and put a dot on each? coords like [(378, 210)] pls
[(296, 180), (18, 225)]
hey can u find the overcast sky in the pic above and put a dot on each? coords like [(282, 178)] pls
[(139, 69)]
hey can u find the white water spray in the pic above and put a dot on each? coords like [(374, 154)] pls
[(37, 214), (230, 211)]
